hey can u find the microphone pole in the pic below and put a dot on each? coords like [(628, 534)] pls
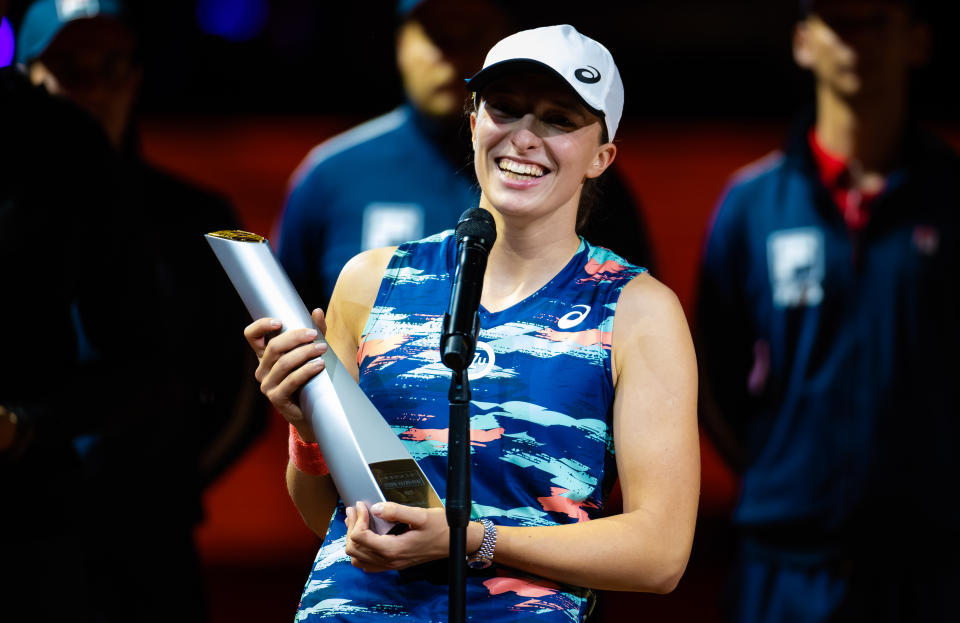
[(476, 233)]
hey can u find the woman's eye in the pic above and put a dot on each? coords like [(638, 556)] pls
[(560, 121), (502, 109)]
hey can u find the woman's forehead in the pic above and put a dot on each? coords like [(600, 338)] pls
[(535, 86)]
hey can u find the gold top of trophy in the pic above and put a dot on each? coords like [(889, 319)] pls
[(237, 235)]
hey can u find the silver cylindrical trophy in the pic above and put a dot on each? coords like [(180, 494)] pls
[(367, 461)]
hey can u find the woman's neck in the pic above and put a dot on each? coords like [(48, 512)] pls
[(525, 257)]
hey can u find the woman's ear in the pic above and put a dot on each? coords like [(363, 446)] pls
[(473, 130), (604, 158)]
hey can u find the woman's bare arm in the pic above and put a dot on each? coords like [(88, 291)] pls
[(658, 460)]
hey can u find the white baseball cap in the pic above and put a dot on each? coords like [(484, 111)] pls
[(584, 64)]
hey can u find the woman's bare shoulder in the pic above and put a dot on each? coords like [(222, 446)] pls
[(646, 298), (357, 286), (650, 325), (360, 277)]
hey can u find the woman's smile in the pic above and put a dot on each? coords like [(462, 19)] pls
[(520, 174)]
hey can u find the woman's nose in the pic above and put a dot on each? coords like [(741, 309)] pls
[(524, 135)]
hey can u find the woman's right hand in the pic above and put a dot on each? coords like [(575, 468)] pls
[(287, 362)]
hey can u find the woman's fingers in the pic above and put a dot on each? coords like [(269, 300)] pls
[(256, 333), (281, 345), (363, 517), (320, 319), (287, 363), (351, 518), (360, 545), (291, 373), (359, 535), (413, 516), (284, 391), (427, 539), (291, 361)]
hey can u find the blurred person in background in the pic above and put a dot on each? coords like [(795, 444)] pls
[(829, 340), (110, 271), (405, 174), (40, 539)]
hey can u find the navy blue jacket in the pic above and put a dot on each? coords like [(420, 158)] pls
[(833, 356)]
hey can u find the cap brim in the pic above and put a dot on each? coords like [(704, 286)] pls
[(485, 76), (42, 24)]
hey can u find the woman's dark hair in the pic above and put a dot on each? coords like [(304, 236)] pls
[(592, 187), (592, 191)]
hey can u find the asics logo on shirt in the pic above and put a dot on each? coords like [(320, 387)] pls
[(573, 318)]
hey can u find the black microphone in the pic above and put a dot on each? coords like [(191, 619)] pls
[(476, 233)]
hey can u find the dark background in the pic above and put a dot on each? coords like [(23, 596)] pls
[(678, 58)]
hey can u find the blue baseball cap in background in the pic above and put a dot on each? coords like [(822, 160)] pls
[(405, 7), (44, 20)]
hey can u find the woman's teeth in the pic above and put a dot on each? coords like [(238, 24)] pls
[(516, 170)]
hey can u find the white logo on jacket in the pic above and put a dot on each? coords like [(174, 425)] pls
[(796, 263), (389, 224)]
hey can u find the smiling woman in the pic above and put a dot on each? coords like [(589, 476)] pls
[(588, 376)]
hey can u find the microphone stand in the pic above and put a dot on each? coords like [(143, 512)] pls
[(458, 491), (476, 232)]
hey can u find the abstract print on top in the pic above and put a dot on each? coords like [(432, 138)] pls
[(541, 427)]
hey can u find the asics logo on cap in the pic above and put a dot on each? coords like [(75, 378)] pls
[(588, 74)]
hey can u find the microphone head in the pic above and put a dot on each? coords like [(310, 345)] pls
[(478, 224)]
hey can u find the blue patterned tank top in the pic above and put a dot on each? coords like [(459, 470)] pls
[(541, 428)]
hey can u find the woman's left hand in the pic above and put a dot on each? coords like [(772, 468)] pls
[(428, 537)]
